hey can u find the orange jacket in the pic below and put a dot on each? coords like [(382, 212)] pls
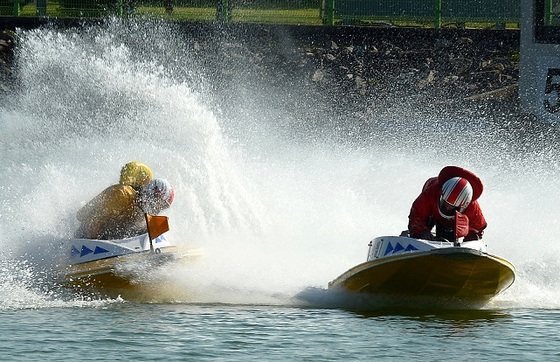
[(113, 214)]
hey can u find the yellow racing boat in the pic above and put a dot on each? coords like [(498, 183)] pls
[(125, 266), (404, 266)]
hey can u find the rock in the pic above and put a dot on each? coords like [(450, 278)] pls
[(428, 80), (496, 93), (318, 75)]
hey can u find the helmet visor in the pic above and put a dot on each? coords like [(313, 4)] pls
[(447, 209)]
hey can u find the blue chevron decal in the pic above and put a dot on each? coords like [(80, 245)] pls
[(85, 251), (410, 247), (389, 249), (399, 247), (99, 250), (74, 252)]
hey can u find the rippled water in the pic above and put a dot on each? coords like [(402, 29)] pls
[(147, 332)]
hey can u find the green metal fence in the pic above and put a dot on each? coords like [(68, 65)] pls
[(437, 12), (330, 12), (8, 7)]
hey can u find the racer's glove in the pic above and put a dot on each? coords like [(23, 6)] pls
[(426, 235)]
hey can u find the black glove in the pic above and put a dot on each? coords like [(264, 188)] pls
[(426, 235)]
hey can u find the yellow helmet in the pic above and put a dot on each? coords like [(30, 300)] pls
[(136, 174)]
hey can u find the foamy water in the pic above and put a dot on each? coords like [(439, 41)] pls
[(275, 215)]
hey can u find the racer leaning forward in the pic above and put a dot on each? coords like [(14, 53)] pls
[(453, 190), (118, 211)]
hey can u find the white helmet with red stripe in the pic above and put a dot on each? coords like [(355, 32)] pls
[(157, 195), (456, 195)]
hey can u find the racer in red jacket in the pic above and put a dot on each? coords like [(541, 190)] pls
[(454, 190)]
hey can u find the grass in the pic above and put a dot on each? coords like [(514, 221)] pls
[(300, 16), (273, 16), (305, 16)]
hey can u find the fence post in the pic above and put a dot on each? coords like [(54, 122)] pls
[(548, 13), (223, 12), (330, 11), (120, 8), (437, 23), (41, 8), (16, 7)]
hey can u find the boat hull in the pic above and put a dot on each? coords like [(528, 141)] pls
[(455, 272), (121, 267), (124, 271)]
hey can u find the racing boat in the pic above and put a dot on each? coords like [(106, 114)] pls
[(404, 266), (117, 266)]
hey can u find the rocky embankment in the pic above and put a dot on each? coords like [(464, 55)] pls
[(373, 67), (353, 66), (437, 69)]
